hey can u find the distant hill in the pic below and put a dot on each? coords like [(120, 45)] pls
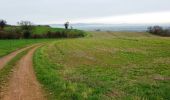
[(110, 27)]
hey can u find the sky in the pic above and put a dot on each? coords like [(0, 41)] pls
[(86, 11)]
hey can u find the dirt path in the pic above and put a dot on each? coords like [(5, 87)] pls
[(23, 84), (4, 60)]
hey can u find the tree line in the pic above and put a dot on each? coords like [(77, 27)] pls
[(25, 29)]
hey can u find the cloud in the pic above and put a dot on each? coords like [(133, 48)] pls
[(57, 11), (142, 18)]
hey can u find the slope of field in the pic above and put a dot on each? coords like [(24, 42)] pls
[(38, 29), (7, 46), (45, 29), (5, 59), (122, 65)]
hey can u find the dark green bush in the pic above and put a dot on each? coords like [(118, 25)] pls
[(13, 33), (61, 34), (2, 24), (26, 28)]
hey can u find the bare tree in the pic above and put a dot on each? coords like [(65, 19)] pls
[(158, 30), (26, 28), (2, 24), (66, 25), (155, 30)]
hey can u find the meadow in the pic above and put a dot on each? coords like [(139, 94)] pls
[(106, 66), (8, 46), (45, 29), (37, 29)]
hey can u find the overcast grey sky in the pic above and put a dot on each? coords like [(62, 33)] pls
[(57, 11)]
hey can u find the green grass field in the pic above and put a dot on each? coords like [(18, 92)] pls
[(105, 66), (7, 46), (39, 29), (44, 29)]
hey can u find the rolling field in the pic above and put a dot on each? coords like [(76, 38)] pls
[(7, 46), (40, 29), (106, 66), (44, 29), (37, 29)]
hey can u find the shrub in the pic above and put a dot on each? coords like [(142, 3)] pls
[(65, 34), (7, 35), (66, 25), (73, 33), (37, 36), (157, 30), (26, 28), (14, 33), (167, 32), (2, 24)]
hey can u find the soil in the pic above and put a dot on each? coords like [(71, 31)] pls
[(23, 84)]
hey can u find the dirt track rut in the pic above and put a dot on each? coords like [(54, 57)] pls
[(23, 84), (4, 60)]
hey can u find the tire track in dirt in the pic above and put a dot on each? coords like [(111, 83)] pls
[(4, 60), (23, 84)]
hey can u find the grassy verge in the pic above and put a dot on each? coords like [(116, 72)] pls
[(5, 72), (48, 75)]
